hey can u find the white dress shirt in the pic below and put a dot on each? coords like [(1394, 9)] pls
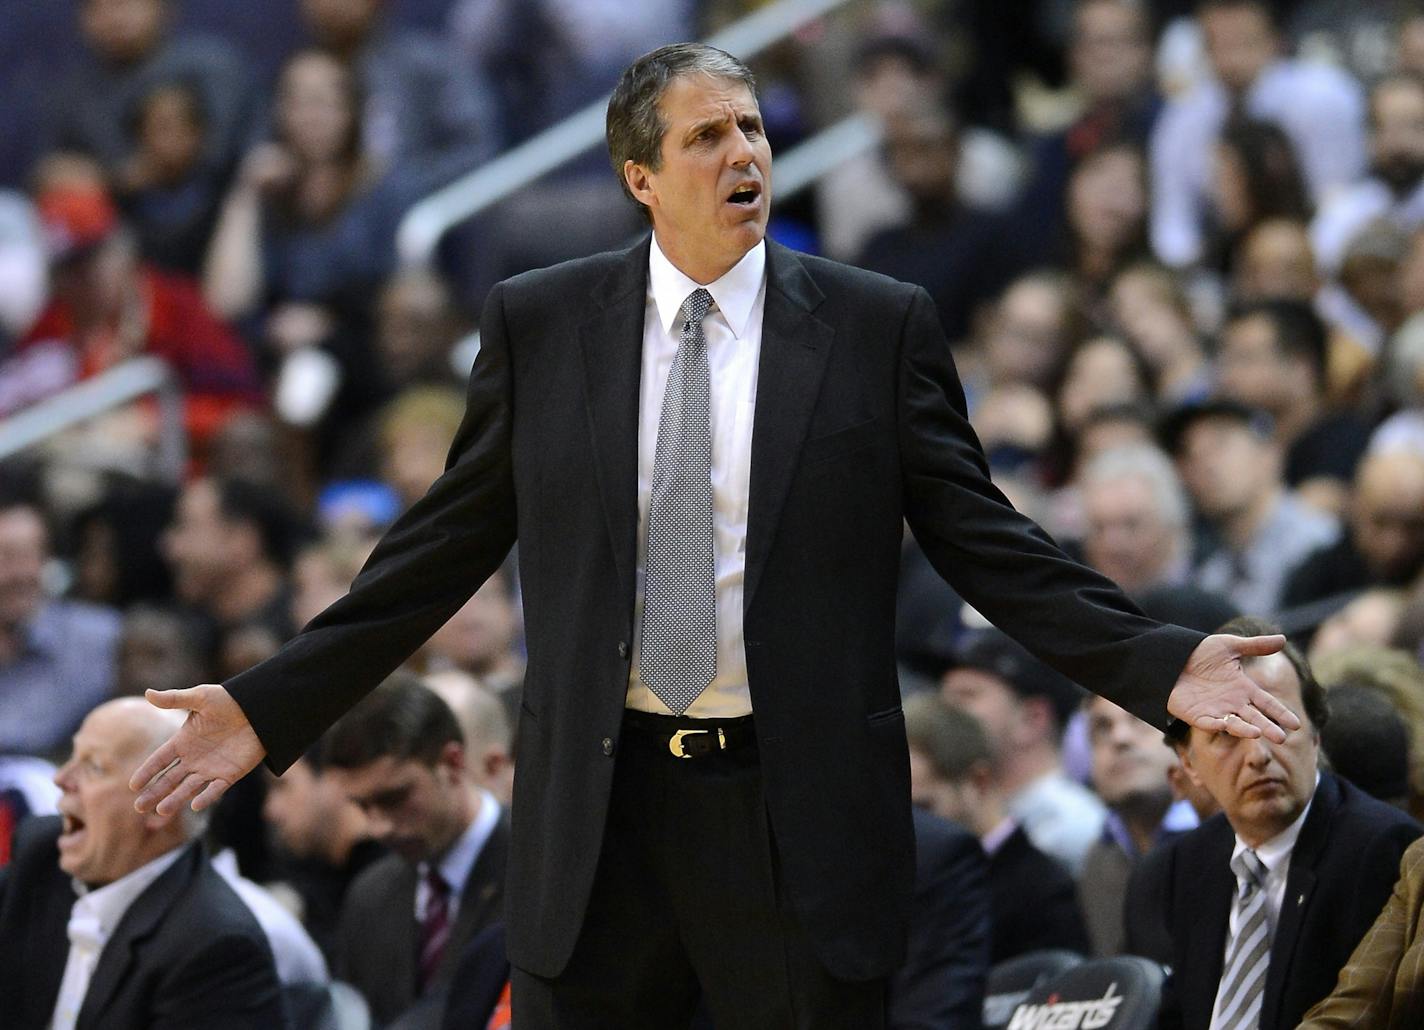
[(92, 922), (459, 859), (1275, 855), (733, 332), (1320, 108)]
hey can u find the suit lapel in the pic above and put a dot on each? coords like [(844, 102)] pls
[(137, 924), (1205, 906), (611, 348), (1300, 885), (794, 348)]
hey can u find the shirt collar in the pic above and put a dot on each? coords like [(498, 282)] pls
[(108, 903), (456, 863), (1277, 851), (998, 836), (735, 293)]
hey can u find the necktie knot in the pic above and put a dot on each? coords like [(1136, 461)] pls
[(1250, 872), (694, 309), (439, 889)]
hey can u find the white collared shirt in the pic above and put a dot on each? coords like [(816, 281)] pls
[(459, 858), (733, 331), (92, 922), (1275, 855)]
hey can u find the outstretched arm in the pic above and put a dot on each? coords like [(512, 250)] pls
[(1214, 693)]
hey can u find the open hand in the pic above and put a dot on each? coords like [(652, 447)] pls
[(1214, 693), (215, 747)]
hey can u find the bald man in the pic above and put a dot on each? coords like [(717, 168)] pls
[(113, 918), (1385, 542)]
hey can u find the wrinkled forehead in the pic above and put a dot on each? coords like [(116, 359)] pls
[(695, 96)]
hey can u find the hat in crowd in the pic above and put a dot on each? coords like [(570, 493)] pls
[(994, 652), (1175, 424), (75, 220)]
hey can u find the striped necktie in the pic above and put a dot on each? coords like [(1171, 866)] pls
[(435, 927), (1243, 979)]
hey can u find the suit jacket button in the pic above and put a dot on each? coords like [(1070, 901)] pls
[(622, 649), (608, 745)]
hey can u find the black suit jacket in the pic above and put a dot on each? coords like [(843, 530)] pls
[(377, 938), (187, 953), (1035, 902), (941, 984), (859, 425), (1342, 870)]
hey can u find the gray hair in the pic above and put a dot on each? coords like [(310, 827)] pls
[(1147, 463), (1404, 366), (635, 125)]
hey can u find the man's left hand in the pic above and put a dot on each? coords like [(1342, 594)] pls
[(1213, 693)]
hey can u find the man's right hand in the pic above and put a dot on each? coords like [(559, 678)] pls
[(215, 748)]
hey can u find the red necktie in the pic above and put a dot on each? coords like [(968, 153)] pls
[(435, 928)]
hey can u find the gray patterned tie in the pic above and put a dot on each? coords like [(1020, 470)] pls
[(679, 649), (1243, 978)]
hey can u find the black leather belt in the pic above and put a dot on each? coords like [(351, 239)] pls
[(691, 738)]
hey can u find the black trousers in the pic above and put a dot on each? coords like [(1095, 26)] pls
[(688, 910)]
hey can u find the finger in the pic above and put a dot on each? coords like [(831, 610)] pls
[(186, 698), (162, 757), (1238, 727), (181, 795), (1272, 708), (210, 795), (159, 786), (1263, 725), (1256, 647)]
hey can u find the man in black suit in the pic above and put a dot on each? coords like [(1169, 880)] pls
[(113, 919), (1265, 901), (768, 861), (399, 755)]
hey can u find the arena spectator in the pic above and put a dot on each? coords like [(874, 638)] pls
[(322, 572), (118, 918), (486, 723), (1371, 618), (421, 104), (1273, 355), (1136, 518), (417, 327), (115, 544), (482, 638), (1149, 306), (158, 649), (107, 305), (1097, 373), (1230, 464), (1107, 207), (324, 840), (1033, 902), (414, 434), (1131, 766), (1255, 178), (1384, 545), (229, 547), (131, 48), (958, 254), (1320, 108), (1110, 71), (1289, 876), (57, 658), (399, 755), (1023, 706)]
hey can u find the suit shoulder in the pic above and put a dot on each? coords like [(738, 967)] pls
[(1360, 814), (213, 903), (858, 281), (566, 276), (371, 887)]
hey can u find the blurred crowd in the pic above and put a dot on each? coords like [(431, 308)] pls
[(1177, 249)]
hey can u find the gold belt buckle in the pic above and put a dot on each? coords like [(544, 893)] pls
[(675, 742)]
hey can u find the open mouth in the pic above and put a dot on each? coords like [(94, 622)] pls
[(745, 194), (71, 826)]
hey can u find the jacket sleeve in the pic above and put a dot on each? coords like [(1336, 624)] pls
[(426, 566), (1003, 564)]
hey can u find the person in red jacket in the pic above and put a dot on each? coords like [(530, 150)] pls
[(107, 306)]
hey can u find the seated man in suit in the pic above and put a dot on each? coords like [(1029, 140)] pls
[(1265, 901), (1033, 904), (400, 756), (113, 919)]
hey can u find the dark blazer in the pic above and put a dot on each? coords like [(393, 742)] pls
[(859, 425), (1341, 872), (377, 938), (941, 984), (1035, 902), (187, 953)]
